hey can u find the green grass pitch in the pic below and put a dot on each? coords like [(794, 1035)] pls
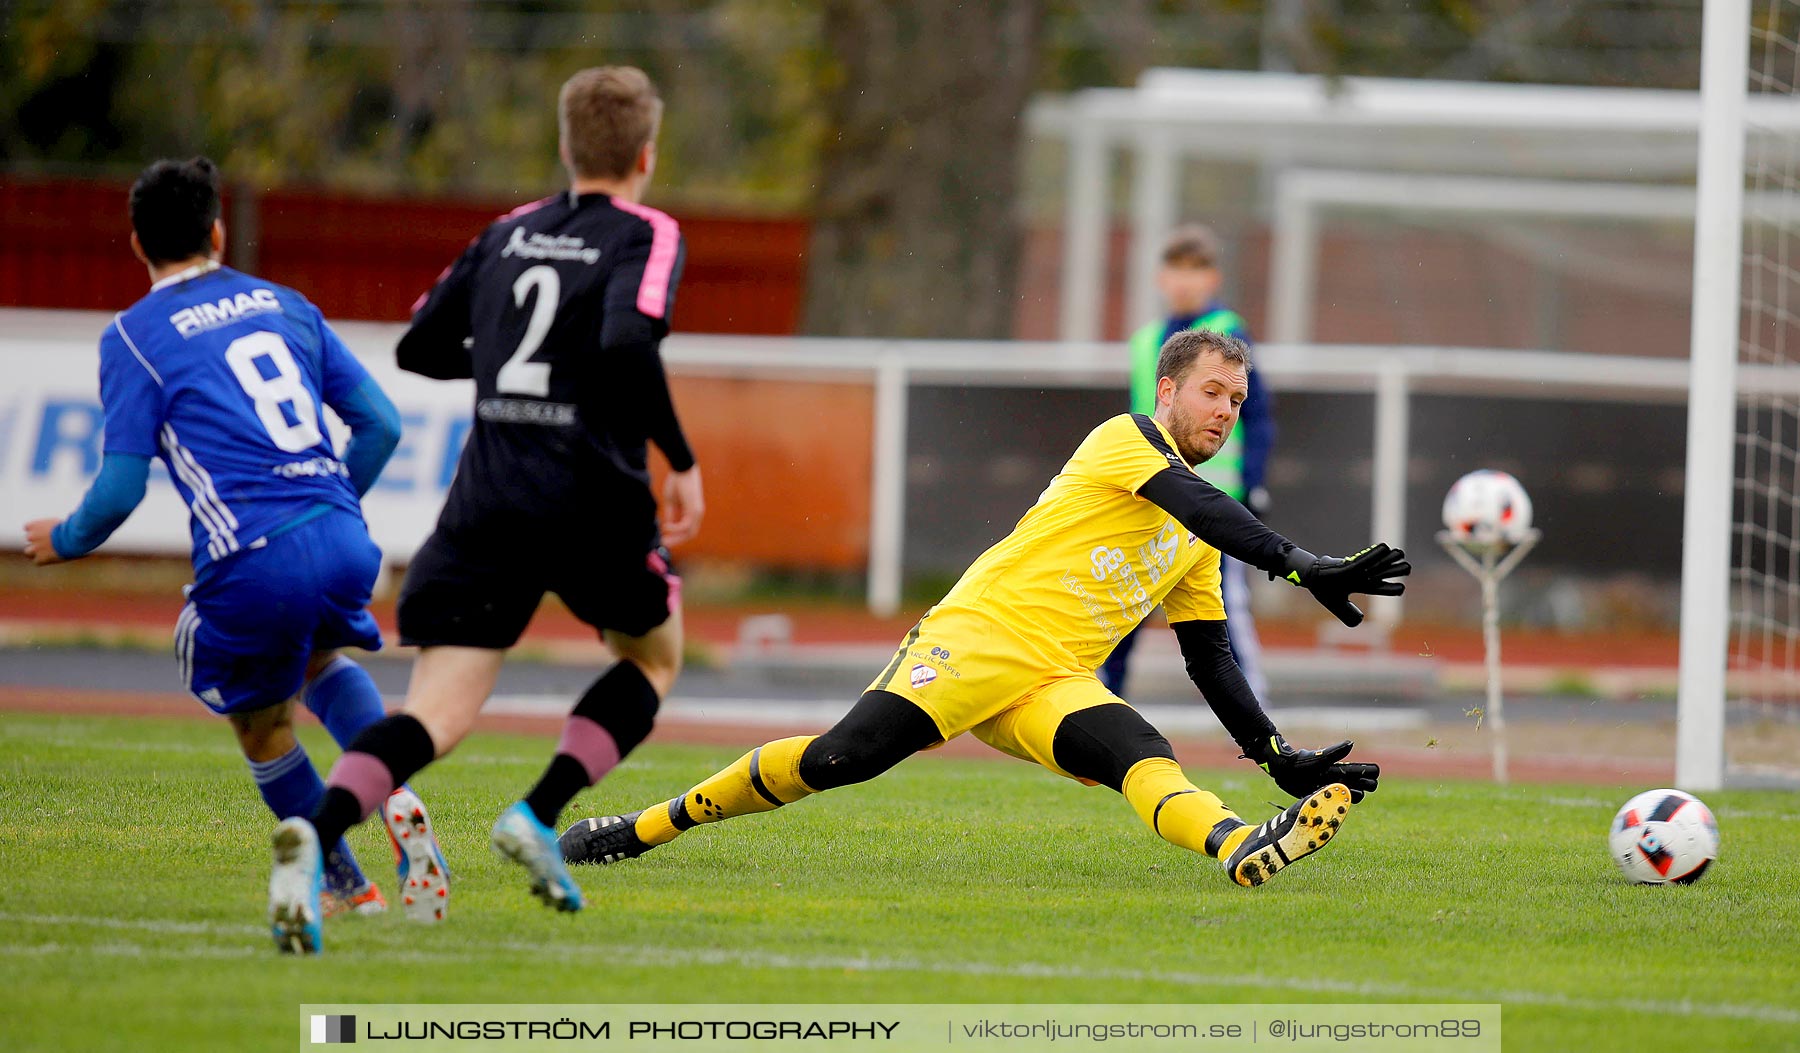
[(133, 865)]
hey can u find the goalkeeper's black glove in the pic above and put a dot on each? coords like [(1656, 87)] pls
[(1331, 580), (1300, 772)]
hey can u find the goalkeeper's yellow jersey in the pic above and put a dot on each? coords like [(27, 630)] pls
[(1091, 558)]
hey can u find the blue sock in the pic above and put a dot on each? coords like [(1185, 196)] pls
[(291, 786), (345, 699)]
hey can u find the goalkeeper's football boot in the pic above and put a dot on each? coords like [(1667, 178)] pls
[(1305, 827), (519, 836), (295, 882), (607, 839), (424, 877)]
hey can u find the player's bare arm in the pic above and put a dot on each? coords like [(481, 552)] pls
[(684, 504)]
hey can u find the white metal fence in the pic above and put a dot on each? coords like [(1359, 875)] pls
[(1279, 120), (48, 362)]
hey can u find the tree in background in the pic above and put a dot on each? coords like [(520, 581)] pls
[(897, 126), (914, 230)]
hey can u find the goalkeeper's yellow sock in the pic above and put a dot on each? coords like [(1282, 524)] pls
[(760, 781), (1180, 812)]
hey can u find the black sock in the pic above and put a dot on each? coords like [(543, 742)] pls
[(623, 703), (402, 746), (338, 811), (561, 781)]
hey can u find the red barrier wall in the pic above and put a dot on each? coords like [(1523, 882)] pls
[(787, 463), (64, 244), (787, 467)]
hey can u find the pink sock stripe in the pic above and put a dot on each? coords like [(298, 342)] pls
[(590, 744), (364, 775), (665, 240)]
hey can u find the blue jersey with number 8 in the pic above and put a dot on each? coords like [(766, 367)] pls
[(226, 377)]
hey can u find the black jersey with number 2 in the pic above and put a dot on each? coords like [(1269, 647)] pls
[(556, 312)]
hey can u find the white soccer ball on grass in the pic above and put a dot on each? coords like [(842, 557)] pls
[(1664, 837)]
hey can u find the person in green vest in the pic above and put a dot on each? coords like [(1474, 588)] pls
[(1188, 281)]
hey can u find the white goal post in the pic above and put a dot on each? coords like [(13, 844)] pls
[(1712, 399)]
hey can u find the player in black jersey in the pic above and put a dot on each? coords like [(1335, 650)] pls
[(556, 311)]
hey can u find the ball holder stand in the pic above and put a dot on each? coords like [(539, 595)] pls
[(1491, 563)]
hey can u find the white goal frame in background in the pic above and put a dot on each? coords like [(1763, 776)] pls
[(1712, 398)]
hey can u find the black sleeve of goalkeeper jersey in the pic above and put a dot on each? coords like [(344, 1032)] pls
[(1214, 516), (1218, 519), (436, 343), (1206, 650), (640, 392)]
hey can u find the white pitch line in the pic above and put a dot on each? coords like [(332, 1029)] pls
[(1576, 802), (185, 928), (1726, 812), (666, 957), (56, 742), (1734, 814)]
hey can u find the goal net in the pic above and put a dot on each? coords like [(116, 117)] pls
[(1764, 656), (1743, 729)]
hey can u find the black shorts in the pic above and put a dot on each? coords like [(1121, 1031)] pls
[(459, 594)]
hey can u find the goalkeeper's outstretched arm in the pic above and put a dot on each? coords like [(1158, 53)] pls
[(1206, 649), (1219, 520)]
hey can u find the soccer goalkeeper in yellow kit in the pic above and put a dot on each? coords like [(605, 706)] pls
[(1009, 654)]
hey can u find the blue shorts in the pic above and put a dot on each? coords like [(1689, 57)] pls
[(252, 621)]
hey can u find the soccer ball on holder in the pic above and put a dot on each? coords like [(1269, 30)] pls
[(1487, 509), (1664, 837)]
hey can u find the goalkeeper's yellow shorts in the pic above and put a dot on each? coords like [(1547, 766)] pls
[(970, 673)]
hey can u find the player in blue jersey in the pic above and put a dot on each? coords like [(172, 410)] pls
[(224, 377)]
